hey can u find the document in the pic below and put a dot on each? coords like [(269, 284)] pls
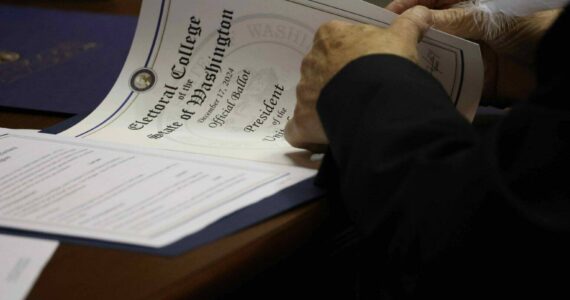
[(118, 193), (193, 128), (219, 77), (21, 262)]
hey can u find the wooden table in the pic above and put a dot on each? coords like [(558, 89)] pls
[(82, 272)]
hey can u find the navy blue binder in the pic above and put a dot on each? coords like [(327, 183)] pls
[(68, 60), (283, 201)]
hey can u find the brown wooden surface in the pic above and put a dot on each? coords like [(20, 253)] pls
[(83, 272)]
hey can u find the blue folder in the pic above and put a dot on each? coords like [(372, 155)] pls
[(68, 60), (283, 201)]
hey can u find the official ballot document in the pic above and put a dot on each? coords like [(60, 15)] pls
[(218, 77), (193, 128)]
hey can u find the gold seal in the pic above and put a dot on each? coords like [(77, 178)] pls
[(8, 56)]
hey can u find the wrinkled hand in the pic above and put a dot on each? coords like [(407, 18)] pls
[(507, 45), (337, 43), (400, 6)]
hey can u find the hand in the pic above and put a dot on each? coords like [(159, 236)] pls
[(400, 6), (507, 45), (336, 44)]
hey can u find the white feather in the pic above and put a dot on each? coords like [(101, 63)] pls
[(496, 16), (519, 7)]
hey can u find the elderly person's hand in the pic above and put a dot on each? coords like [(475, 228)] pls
[(400, 6), (336, 44), (508, 44)]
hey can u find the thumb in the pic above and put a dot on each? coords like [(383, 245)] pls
[(413, 23), (468, 24)]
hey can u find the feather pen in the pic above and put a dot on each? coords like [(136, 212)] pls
[(495, 16), (517, 7)]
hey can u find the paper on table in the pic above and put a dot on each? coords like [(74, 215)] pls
[(219, 77), (89, 189), (21, 262)]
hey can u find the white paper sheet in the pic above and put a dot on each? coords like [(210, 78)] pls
[(21, 262), (222, 75), (126, 194)]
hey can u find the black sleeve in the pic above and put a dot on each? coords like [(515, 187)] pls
[(434, 202), (396, 140)]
